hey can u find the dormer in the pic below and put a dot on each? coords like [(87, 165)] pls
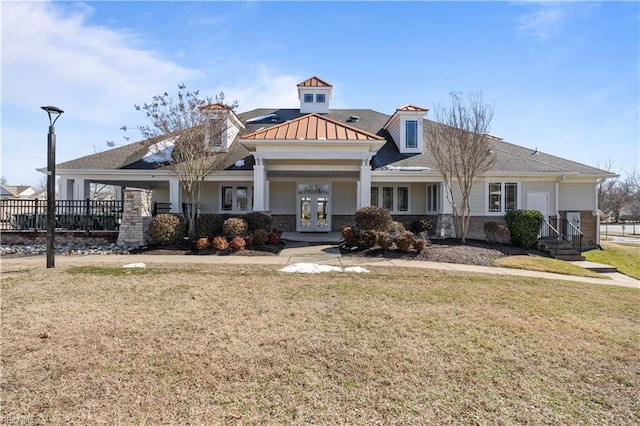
[(314, 95), (405, 127), (222, 126)]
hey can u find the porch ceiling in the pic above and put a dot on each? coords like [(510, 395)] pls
[(311, 174)]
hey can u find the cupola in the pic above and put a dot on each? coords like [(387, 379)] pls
[(314, 95)]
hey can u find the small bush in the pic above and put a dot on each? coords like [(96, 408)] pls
[(420, 244), (397, 227), (260, 236), (369, 238), (166, 229), (202, 243), (248, 240), (275, 236), (234, 227), (220, 243), (495, 232), (350, 236), (237, 243), (404, 241), (421, 225), (524, 226), (384, 240), (257, 220), (208, 225), (374, 218)]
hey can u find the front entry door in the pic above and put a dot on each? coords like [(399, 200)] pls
[(314, 208)]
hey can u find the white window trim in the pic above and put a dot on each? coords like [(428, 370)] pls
[(395, 197), (502, 183), (234, 198), (406, 135)]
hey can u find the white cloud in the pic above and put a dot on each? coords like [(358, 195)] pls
[(50, 54), (544, 19)]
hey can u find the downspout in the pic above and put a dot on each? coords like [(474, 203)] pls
[(557, 201)]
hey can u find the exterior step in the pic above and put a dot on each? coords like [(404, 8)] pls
[(597, 267), (559, 250)]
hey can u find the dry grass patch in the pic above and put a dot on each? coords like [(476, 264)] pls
[(545, 264), (249, 345)]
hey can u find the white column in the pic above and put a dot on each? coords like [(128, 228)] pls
[(364, 187), (63, 189), (80, 189), (259, 187), (175, 196), (118, 192)]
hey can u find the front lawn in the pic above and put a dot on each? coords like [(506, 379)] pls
[(625, 257), (241, 344)]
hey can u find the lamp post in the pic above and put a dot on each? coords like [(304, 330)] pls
[(54, 114)]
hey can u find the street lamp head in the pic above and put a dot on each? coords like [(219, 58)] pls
[(53, 112)]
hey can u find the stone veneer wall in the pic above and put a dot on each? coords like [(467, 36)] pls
[(136, 217), (284, 222)]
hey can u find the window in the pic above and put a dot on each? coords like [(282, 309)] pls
[(227, 198), (236, 198), (308, 98), (394, 198), (374, 196), (432, 198), (503, 197), (411, 127), (214, 134), (320, 98)]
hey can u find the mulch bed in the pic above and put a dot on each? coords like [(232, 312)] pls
[(257, 250), (473, 252)]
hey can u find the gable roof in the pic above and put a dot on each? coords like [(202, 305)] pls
[(409, 107), (312, 126), (314, 82)]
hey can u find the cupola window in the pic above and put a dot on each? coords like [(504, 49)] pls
[(308, 98), (412, 134)]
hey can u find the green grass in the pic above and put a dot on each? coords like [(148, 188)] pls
[(545, 264), (623, 256)]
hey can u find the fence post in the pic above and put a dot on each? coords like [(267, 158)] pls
[(35, 216), (86, 214)]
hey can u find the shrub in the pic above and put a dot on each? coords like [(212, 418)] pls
[(260, 236), (237, 243), (372, 217), (524, 226), (384, 240), (495, 232), (420, 244), (208, 225), (166, 229), (275, 236), (369, 238), (202, 243), (220, 243), (404, 241), (257, 220), (249, 241), (421, 225), (350, 236), (234, 227), (397, 227)]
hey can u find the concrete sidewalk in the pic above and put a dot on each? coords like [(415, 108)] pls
[(324, 254)]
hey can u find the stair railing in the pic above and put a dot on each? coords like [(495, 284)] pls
[(574, 236), (549, 233)]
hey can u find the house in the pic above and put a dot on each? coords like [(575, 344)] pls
[(311, 167), (21, 192)]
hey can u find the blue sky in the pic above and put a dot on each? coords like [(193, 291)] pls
[(564, 77)]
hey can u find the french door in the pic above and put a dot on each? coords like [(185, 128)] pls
[(313, 210)]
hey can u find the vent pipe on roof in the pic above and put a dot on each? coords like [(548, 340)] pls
[(354, 118)]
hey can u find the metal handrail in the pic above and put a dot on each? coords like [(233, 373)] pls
[(549, 233), (575, 234)]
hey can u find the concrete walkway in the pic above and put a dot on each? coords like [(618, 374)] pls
[(300, 252)]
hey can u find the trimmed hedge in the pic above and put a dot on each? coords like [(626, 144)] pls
[(208, 225), (524, 226), (373, 218), (166, 229), (257, 220)]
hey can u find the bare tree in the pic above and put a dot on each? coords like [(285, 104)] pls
[(461, 149), (185, 140)]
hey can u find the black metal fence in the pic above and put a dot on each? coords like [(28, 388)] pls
[(71, 215), (569, 232)]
